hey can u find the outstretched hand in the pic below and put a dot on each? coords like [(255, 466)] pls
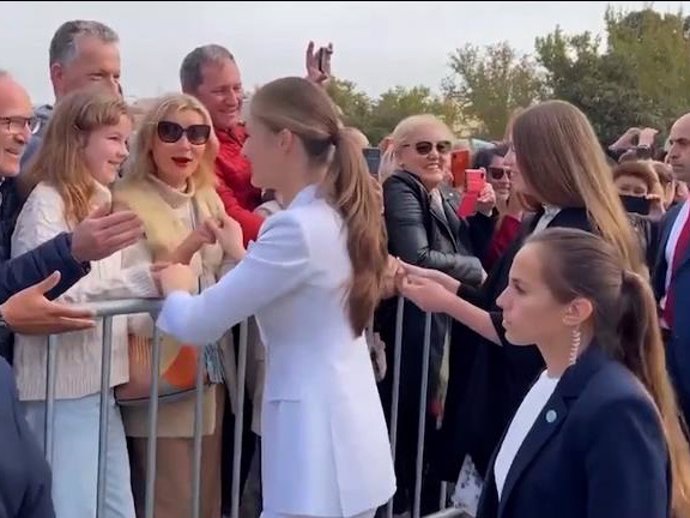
[(428, 295), (30, 312)]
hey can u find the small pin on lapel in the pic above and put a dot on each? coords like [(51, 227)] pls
[(551, 416)]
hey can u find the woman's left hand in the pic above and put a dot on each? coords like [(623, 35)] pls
[(427, 294), (486, 200)]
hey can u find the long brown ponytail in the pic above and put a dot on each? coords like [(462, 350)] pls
[(303, 108), (626, 325)]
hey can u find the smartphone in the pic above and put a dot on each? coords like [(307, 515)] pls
[(459, 162), (322, 56), (373, 158), (475, 180), (636, 204)]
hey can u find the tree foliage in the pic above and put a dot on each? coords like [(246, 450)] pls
[(490, 83), (636, 74)]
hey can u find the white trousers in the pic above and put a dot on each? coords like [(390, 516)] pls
[(270, 514)]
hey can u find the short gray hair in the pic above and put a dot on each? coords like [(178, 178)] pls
[(190, 70), (63, 45)]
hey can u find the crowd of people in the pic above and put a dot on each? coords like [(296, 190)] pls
[(559, 366)]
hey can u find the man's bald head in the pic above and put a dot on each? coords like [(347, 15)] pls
[(679, 151), (16, 115)]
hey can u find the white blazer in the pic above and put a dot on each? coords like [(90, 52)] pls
[(325, 449)]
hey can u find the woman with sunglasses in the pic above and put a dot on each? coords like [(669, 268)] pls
[(169, 184), (424, 229), (509, 206)]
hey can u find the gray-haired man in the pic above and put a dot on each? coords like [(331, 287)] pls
[(82, 52)]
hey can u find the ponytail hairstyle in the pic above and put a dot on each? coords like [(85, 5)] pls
[(625, 325), (305, 109)]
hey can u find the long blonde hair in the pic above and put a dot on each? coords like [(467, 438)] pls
[(141, 164), (59, 161), (563, 165), (306, 110)]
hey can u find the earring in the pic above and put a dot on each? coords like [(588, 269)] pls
[(574, 346)]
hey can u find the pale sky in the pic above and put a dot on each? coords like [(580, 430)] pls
[(377, 45)]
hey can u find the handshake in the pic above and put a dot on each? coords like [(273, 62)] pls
[(428, 289), (172, 273)]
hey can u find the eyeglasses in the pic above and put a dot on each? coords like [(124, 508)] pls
[(425, 147), (498, 173), (170, 132), (18, 124)]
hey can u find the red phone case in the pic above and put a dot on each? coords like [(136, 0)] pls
[(475, 180), (459, 162)]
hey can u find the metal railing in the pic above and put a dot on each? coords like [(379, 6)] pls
[(108, 310)]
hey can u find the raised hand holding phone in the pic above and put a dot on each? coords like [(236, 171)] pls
[(319, 63), (474, 183)]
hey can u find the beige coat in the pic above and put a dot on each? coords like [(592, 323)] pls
[(169, 216)]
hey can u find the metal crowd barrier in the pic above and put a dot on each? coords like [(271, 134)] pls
[(107, 310)]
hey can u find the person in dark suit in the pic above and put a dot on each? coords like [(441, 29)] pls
[(557, 161), (597, 435), (671, 278)]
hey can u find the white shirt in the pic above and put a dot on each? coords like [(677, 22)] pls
[(522, 423), (550, 213), (325, 448)]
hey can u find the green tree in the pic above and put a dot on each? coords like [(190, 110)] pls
[(355, 104), (656, 48), (489, 83), (377, 118), (603, 86), (398, 103)]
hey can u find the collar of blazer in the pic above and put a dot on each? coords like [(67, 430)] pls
[(305, 196), (572, 383)]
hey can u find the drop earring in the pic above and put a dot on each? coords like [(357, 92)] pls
[(574, 346)]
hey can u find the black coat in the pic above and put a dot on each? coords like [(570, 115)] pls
[(596, 450), (24, 473), (34, 266), (419, 234), (483, 394)]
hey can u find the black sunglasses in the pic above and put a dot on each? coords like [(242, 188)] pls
[(171, 132), (497, 173), (425, 147)]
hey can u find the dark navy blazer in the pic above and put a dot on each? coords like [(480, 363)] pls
[(678, 346), (597, 450)]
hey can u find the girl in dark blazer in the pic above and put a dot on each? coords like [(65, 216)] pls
[(598, 433), (556, 160)]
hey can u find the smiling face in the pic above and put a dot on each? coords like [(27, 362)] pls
[(425, 152), (221, 92), (179, 145), (499, 177), (106, 150), (15, 114)]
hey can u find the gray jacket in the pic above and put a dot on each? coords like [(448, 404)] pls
[(43, 113)]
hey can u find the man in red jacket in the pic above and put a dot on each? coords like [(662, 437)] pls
[(210, 73)]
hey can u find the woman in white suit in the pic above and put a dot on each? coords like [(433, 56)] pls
[(313, 279)]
